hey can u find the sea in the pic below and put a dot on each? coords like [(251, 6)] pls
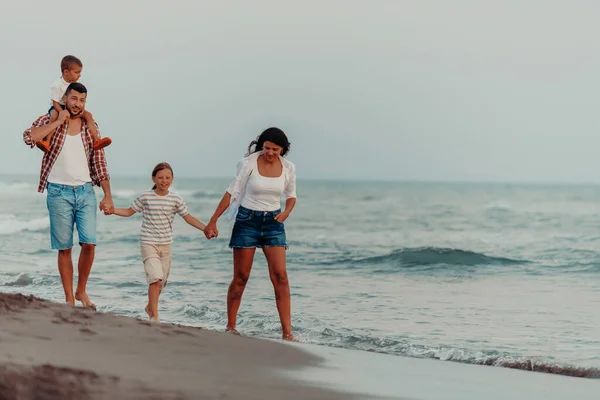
[(505, 275)]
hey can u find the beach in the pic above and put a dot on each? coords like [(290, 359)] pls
[(55, 351)]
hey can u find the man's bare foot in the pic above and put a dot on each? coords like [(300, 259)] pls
[(232, 331), (289, 337), (85, 300)]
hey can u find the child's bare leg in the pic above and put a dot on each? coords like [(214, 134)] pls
[(53, 117), (98, 142), (89, 119), (148, 309), (44, 144), (153, 293)]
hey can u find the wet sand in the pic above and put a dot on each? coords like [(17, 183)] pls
[(54, 351)]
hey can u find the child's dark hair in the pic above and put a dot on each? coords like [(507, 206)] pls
[(69, 62), (274, 135), (159, 167)]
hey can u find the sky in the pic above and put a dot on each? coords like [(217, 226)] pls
[(370, 90)]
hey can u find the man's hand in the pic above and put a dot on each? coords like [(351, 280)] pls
[(62, 116), (107, 206)]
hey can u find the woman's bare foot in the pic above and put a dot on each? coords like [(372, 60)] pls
[(289, 337), (232, 331), (85, 300), (147, 309), (154, 319)]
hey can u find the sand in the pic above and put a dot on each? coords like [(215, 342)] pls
[(55, 351)]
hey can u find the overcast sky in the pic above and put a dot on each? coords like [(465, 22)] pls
[(419, 90)]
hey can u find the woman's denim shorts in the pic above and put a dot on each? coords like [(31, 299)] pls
[(257, 229)]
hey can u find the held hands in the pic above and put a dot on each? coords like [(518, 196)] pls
[(107, 206), (211, 231), (281, 217)]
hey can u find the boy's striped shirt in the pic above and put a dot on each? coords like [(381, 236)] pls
[(158, 213)]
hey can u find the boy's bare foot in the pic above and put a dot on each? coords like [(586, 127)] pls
[(43, 145), (102, 143), (85, 300), (289, 337), (232, 331)]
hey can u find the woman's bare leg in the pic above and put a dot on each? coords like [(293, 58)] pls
[(242, 265), (278, 273)]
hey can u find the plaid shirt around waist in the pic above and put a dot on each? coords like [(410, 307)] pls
[(96, 158)]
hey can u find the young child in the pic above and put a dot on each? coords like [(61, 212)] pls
[(158, 207), (71, 68)]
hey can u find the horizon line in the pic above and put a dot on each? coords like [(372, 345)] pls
[(369, 180)]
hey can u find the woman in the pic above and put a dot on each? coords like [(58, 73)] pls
[(263, 177)]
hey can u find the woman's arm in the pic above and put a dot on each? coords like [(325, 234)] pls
[(289, 206), (212, 224)]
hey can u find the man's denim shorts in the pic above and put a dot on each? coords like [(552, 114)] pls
[(257, 229), (69, 206)]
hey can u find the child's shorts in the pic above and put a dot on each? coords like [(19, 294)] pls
[(157, 262)]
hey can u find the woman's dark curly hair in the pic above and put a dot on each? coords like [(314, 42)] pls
[(274, 135)]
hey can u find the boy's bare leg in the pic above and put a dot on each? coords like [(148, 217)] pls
[(148, 308), (89, 119), (153, 294), (98, 143), (44, 144)]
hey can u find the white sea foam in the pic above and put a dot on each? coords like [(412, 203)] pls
[(12, 188), (10, 224)]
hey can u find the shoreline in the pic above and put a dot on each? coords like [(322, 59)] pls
[(56, 351)]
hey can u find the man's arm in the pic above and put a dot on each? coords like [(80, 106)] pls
[(99, 170), (106, 205), (42, 127)]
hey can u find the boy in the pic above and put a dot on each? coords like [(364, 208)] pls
[(71, 68)]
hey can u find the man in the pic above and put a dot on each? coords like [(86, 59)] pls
[(69, 171)]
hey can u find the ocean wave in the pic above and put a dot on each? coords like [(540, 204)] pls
[(13, 188), (125, 194), (10, 224), (404, 347), (204, 313), (312, 330), (206, 194), (25, 279), (426, 258), (434, 255)]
